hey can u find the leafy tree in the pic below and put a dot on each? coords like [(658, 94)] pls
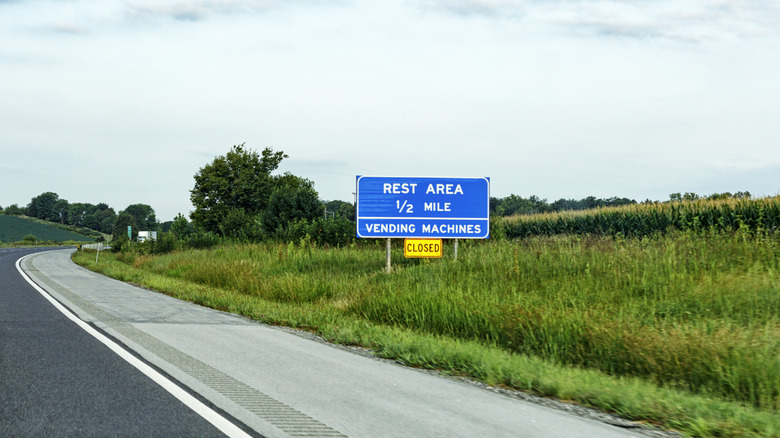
[(565, 204), (717, 196), (60, 211), (341, 209), (514, 204), (181, 228), (690, 196), (143, 216), (241, 179), (295, 199), (165, 227), (42, 206), (615, 201), (76, 213), (240, 225), (495, 203), (106, 217), (91, 221), (107, 224), (590, 202), (333, 232), (14, 210), (120, 227), (538, 205)]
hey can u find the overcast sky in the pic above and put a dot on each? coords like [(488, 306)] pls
[(123, 102)]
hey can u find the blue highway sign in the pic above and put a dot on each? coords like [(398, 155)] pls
[(423, 207)]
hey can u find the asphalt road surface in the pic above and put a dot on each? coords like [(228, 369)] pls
[(57, 380), (238, 377)]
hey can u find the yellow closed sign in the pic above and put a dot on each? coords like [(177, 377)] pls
[(423, 248)]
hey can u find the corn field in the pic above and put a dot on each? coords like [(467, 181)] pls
[(753, 215)]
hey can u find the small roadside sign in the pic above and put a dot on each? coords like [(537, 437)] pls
[(423, 248)]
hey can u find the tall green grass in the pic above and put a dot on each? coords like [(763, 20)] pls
[(685, 311), (697, 312)]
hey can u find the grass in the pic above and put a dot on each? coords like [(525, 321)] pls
[(14, 229), (681, 330)]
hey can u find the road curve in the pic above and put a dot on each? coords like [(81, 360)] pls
[(57, 380), (281, 384)]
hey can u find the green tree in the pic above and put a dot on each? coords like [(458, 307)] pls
[(241, 179), (143, 215), (495, 204), (564, 204), (690, 196), (590, 202), (538, 205), (341, 209), (76, 213), (615, 201), (181, 228), (120, 227), (14, 210), (294, 199), (106, 217), (240, 225), (514, 204), (60, 211), (42, 206), (91, 221)]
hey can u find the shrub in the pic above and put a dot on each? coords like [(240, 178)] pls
[(201, 240), (338, 231)]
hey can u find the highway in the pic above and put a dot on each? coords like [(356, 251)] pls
[(217, 374), (57, 380)]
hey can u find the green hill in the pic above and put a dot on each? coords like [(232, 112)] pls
[(14, 229)]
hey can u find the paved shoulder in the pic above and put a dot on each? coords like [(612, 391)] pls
[(58, 380), (280, 384)]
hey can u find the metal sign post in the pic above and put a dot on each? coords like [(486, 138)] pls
[(388, 251)]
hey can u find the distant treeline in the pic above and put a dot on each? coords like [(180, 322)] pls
[(514, 205), (261, 207), (82, 217)]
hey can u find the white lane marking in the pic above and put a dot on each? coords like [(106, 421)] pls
[(196, 405)]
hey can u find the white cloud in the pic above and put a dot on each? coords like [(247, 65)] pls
[(485, 8), (689, 21), (557, 99), (196, 10)]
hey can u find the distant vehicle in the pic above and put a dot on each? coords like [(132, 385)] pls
[(143, 236)]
